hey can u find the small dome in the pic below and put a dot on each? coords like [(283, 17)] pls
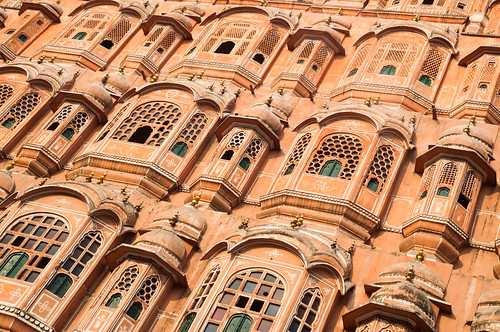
[(280, 106), (424, 278), (97, 92), (54, 6), (182, 19), (193, 8), (405, 296), (263, 113), (190, 224), (167, 241), (476, 139), (7, 184), (328, 28), (117, 83), (487, 317), (489, 299)]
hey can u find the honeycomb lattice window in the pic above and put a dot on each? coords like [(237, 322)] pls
[(432, 64), (6, 91), (253, 149), (38, 237), (205, 288), (380, 168), (119, 31), (257, 292), (60, 117), (345, 149), (377, 58), (448, 174), (409, 61), (297, 153), (241, 34), (237, 139), (20, 110), (307, 311), (424, 188), (90, 25), (469, 78), (494, 19), (189, 134), (127, 279), (148, 288), (359, 58), (112, 123), (149, 123)]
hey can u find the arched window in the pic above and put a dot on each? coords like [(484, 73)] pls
[(20, 110), (448, 174), (83, 253), (38, 236), (352, 72), (426, 80), (306, 313), (143, 296), (256, 292), (234, 144), (431, 67), (60, 285), (251, 153), (189, 134), (443, 191), (470, 76), (60, 117), (429, 175), (154, 122), (467, 190), (6, 91), (380, 168), (188, 321), (122, 286), (305, 53), (116, 34), (227, 155), (358, 59), (231, 38), (266, 46), (239, 323), (331, 168), (345, 149), (487, 73), (388, 70), (245, 163), (68, 133), (13, 264)]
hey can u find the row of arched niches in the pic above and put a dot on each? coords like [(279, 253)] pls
[(114, 114)]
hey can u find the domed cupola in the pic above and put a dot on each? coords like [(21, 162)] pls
[(98, 93), (487, 317), (470, 138), (7, 184), (165, 243), (116, 83), (263, 113)]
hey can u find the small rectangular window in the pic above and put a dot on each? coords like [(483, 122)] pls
[(22, 37), (461, 5)]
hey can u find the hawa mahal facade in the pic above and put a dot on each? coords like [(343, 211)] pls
[(249, 165)]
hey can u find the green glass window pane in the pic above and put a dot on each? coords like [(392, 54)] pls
[(60, 285), (187, 322), (13, 264), (373, 185), (300, 62), (134, 311), (28, 228), (22, 37), (245, 163), (235, 284), (270, 278), (68, 133), (272, 309), (80, 36), (9, 123), (114, 301), (239, 323), (425, 80), (388, 70), (211, 327), (353, 72), (443, 191), (483, 86), (289, 170), (331, 168), (180, 149), (424, 194), (249, 287)]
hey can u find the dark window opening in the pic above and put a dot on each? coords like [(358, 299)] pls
[(160, 50), (60, 285), (461, 5), (227, 155), (396, 2), (424, 195), (22, 37), (80, 36), (259, 58), (102, 136), (134, 311), (373, 185), (187, 322), (483, 86), (180, 149), (68, 133), (331, 168), (388, 70), (39, 22), (114, 301), (147, 44), (314, 67), (107, 44), (225, 48), (463, 200), (300, 62), (289, 170), (141, 135), (9, 123), (245, 163), (352, 72), (10, 32), (427, 2), (443, 192), (53, 126), (425, 80), (191, 50)]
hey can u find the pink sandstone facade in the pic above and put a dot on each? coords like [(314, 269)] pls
[(251, 165)]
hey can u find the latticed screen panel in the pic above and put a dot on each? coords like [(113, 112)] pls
[(83, 253), (169, 39), (298, 152), (359, 58), (79, 121), (346, 149), (237, 139), (119, 31), (307, 50), (159, 117), (269, 42), (155, 34), (20, 110), (127, 279), (429, 175), (469, 78), (380, 168), (148, 288), (488, 71), (494, 19), (88, 26), (6, 91), (63, 114), (193, 129), (322, 56), (448, 174), (432, 64), (205, 288), (253, 149), (376, 58), (241, 34), (469, 184), (397, 54)]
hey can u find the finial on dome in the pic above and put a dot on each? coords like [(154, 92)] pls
[(40, 59), (368, 101), (175, 218), (244, 224), (334, 244), (298, 221), (125, 198), (101, 178), (237, 93), (138, 207), (339, 11), (43, 182), (328, 19), (280, 90), (351, 249), (467, 129), (268, 100), (11, 165), (123, 190), (376, 100), (324, 106), (416, 18), (211, 87), (410, 274), (59, 72), (200, 75), (104, 80), (51, 60), (75, 75), (473, 119), (122, 68), (154, 78), (196, 199), (89, 178), (420, 256), (191, 77)]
